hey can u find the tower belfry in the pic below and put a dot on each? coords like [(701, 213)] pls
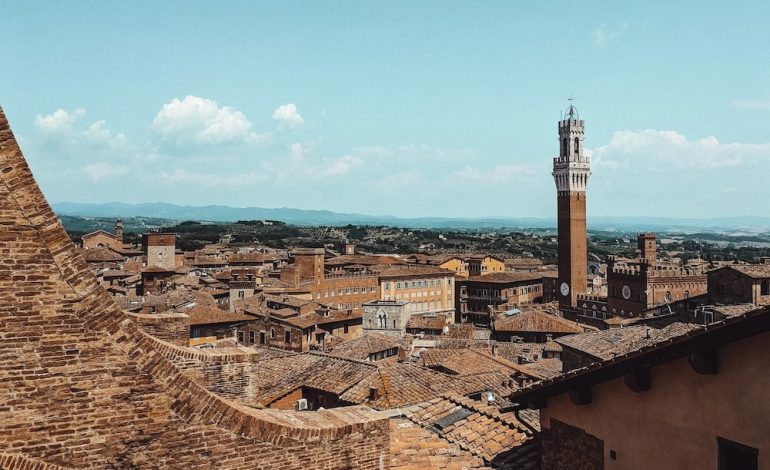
[(571, 170)]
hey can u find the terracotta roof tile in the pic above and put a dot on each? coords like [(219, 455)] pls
[(535, 320), (478, 428), (759, 271), (427, 322), (370, 343), (207, 315), (606, 344)]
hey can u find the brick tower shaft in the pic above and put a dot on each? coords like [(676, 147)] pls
[(571, 171)]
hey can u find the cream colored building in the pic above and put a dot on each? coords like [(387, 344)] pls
[(429, 290)]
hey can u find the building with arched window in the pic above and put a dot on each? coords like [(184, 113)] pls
[(386, 316)]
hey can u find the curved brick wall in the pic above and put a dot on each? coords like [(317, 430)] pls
[(169, 326), (82, 387)]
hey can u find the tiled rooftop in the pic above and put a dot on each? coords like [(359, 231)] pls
[(536, 320), (369, 343), (475, 427), (427, 322), (511, 277), (753, 270), (414, 448), (607, 344)]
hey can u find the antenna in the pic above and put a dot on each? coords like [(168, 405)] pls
[(571, 111)]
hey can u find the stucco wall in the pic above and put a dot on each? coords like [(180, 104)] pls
[(675, 425)]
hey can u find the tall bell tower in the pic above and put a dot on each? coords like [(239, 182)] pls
[(571, 170)]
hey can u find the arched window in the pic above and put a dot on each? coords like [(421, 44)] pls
[(382, 319), (577, 146), (765, 287)]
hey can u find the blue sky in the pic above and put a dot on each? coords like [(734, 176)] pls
[(407, 108)]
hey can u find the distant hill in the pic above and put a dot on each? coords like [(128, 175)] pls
[(216, 213)]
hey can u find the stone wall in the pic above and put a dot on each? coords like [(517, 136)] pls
[(81, 386)]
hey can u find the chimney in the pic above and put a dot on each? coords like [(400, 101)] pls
[(374, 393)]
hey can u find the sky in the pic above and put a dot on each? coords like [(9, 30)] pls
[(407, 108)]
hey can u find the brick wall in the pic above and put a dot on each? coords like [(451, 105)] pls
[(565, 447), (82, 387), (173, 327)]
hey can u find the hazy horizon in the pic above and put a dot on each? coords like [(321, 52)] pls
[(423, 216)]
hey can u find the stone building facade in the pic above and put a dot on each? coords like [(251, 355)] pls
[(159, 250), (388, 317), (242, 284)]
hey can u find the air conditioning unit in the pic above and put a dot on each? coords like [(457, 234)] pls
[(301, 404)]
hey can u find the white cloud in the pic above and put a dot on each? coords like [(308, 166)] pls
[(60, 122), (208, 180), (413, 153), (297, 153), (337, 166), (752, 104), (323, 167), (663, 150), (101, 170), (98, 133), (196, 120), (603, 34), (498, 174), (288, 116)]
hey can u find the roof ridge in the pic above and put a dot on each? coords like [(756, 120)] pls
[(348, 359)]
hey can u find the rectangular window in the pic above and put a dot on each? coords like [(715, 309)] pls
[(287, 337), (735, 456), (251, 337), (261, 337), (240, 337)]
